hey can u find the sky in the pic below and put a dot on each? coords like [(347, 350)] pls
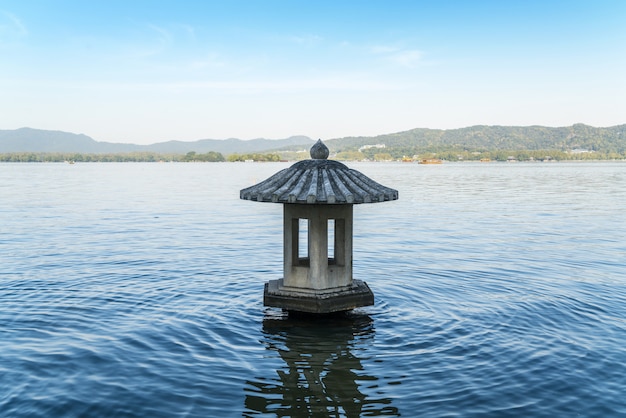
[(151, 71)]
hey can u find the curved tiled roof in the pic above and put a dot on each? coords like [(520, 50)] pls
[(319, 181)]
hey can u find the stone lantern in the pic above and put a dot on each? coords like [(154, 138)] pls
[(317, 197)]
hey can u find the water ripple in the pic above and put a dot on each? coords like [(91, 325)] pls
[(135, 290)]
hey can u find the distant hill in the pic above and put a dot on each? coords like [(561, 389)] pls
[(416, 141), (36, 140), (230, 146), (491, 138)]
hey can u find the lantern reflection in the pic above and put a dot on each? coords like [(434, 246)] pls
[(323, 374)]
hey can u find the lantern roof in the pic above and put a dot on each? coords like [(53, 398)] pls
[(319, 181)]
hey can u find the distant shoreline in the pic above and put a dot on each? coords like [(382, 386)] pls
[(7, 158)]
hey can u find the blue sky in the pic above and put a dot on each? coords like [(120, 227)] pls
[(152, 71)]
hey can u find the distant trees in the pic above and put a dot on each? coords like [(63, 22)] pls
[(210, 156), (383, 156), (519, 141), (393, 154), (521, 155), (350, 156), (191, 156), (254, 157), (106, 158)]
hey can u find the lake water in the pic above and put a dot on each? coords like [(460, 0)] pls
[(135, 290)]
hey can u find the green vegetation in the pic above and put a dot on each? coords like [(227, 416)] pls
[(192, 156), (350, 156), (519, 155), (392, 154), (29, 157), (498, 143), (254, 157), (210, 156), (495, 143)]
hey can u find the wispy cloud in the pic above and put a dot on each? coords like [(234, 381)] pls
[(189, 30), (163, 37), (11, 28), (339, 83), (208, 61), (150, 39), (409, 58), (306, 40), (384, 49)]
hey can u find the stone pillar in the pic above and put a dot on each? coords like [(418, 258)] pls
[(319, 270)]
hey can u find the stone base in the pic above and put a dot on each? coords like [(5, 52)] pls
[(345, 299)]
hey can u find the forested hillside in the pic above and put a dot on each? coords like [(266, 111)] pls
[(493, 138), (473, 143)]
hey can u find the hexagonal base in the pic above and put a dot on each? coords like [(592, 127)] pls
[(345, 299)]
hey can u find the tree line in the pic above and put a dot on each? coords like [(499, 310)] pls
[(272, 157), (453, 154), (493, 138), (55, 157), (192, 156), (390, 153)]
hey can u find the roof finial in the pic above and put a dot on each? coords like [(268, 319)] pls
[(319, 151)]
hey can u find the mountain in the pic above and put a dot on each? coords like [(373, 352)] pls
[(230, 146), (479, 138), (36, 140), (415, 141), (27, 139)]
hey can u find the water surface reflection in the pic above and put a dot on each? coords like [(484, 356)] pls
[(323, 374)]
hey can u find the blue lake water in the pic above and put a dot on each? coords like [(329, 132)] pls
[(135, 290)]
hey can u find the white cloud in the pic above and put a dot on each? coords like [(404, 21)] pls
[(207, 62), (164, 38), (384, 49), (189, 30), (11, 28), (408, 58), (307, 40), (339, 83)]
